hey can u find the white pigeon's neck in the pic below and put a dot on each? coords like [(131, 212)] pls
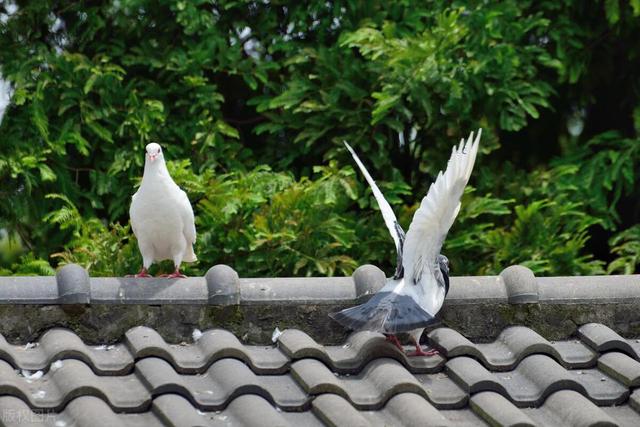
[(156, 170)]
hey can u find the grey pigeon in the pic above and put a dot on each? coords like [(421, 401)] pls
[(410, 300), (161, 216)]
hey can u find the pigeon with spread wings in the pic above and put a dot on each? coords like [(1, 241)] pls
[(410, 300)]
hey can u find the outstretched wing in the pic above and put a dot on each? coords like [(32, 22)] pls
[(387, 213), (438, 210)]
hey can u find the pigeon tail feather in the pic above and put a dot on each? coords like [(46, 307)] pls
[(189, 255), (385, 312)]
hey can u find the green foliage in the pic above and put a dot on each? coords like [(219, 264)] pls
[(252, 100), (606, 172), (29, 265), (547, 229), (276, 225), (626, 246), (422, 78), (102, 250)]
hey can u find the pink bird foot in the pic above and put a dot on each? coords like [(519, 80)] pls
[(394, 340), (420, 352), (143, 273), (175, 275)]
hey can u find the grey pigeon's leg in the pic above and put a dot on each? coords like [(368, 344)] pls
[(420, 352)]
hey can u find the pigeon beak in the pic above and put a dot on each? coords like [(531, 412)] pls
[(152, 157)]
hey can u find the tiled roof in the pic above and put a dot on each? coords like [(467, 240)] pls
[(102, 309), (519, 379), (221, 285)]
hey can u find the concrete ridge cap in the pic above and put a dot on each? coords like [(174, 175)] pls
[(222, 285)]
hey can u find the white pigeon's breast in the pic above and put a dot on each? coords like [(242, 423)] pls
[(427, 293), (155, 218)]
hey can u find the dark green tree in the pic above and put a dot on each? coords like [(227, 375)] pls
[(252, 100)]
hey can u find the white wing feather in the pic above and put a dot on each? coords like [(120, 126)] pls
[(188, 219), (437, 211), (387, 213)]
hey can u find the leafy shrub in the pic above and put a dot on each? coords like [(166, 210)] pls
[(252, 100), (626, 246)]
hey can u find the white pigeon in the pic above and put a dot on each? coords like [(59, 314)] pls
[(161, 216), (410, 300)]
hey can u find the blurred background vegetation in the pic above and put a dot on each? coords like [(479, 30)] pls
[(252, 100)]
